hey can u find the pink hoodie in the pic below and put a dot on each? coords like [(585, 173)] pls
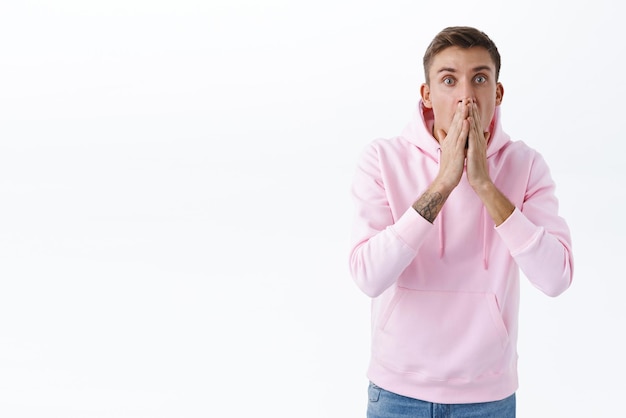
[(445, 296)]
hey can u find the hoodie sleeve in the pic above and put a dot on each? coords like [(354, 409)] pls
[(381, 246), (537, 237)]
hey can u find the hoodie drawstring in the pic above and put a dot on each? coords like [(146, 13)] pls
[(441, 243), (485, 255), (441, 234)]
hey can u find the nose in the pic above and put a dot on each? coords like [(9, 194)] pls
[(466, 91)]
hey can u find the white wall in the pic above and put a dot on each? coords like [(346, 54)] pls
[(174, 199)]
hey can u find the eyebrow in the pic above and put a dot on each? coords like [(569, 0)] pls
[(475, 69)]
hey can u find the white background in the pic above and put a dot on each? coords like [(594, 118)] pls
[(175, 209)]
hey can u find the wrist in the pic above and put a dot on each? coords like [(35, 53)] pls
[(442, 186), (483, 188)]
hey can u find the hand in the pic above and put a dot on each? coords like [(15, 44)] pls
[(477, 168), (453, 142)]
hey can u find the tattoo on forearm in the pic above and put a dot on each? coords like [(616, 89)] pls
[(429, 205)]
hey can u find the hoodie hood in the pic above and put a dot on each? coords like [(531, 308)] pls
[(419, 132)]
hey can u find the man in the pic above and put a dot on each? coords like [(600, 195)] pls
[(446, 215)]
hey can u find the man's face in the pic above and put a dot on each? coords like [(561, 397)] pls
[(458, 74)]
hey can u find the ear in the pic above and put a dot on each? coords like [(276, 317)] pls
[(499, 93), (425, 93)]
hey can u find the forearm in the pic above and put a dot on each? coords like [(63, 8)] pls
[(378, 258), (543, 253), (497, 204), (381, 254), (429, 204)]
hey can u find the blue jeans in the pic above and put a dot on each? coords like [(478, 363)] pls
[(385, 404)]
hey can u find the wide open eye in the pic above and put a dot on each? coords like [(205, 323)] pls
[(448, 81), (480, 79)]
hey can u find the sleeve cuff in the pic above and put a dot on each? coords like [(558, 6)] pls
[(518, 233), (412, 228)]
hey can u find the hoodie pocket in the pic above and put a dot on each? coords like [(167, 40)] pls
[(442, 336)]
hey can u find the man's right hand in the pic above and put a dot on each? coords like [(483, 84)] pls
[(451, 163), (453, 147)]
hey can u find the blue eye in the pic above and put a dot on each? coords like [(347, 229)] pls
[(448, 81), (480, 79)]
